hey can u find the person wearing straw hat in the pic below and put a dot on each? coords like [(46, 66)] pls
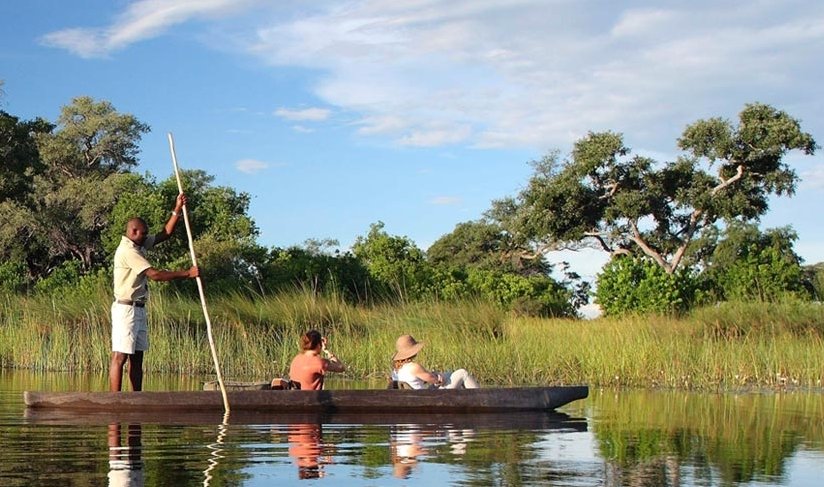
[(130, 331), (405, 369)]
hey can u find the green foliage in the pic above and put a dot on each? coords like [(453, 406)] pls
[(638, 285), (395, 263), (814, 279), (73, 194), (484, 245), (748, 264), (65, 276), (137, 196), (69, 281), (13, 277), (92, 139), (316, 271), (68, 172), (635, 204), (19, 158), (527, 295)]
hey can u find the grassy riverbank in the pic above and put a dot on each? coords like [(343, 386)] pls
[(724, 347)]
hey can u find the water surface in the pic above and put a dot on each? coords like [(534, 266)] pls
[(613, 438)]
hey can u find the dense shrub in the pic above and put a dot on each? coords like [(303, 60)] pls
[(638, 285), (13, 277), (534, 295), (749, 264)]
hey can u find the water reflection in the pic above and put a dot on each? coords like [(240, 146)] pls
[(407, 443), (306, 449), (629, 438), (125, 460), (405, 446), (674, 439)]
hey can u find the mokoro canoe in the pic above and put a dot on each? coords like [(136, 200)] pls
[(488, 400)]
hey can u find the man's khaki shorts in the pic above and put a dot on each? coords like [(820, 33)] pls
[(130, 328)]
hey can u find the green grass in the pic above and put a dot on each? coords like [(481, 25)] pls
[(723, 347)]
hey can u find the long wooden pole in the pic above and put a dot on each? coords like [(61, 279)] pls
[(199, 282)]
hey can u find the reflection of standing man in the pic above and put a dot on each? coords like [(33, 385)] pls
[(125, 462), (129, 318)]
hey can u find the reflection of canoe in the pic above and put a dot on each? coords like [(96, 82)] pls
[(355, 401), (520, 420)]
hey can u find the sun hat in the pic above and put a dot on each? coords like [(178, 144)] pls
[(406, 347)]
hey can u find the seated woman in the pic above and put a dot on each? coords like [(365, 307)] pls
[(309, 367), (408, 371)]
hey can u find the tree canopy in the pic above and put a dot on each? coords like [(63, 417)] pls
[(631, 204)]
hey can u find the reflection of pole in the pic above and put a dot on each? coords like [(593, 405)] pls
[(199, 281), (216, 450)]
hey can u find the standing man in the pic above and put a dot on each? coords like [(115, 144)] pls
[(130, 329)]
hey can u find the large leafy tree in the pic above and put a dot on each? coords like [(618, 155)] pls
[(394, 262), (747, 263), (72, 190), (92, 138), (19, 157), (484, 245), (634, 205), (19, 165), (92, 146), (224, 236)]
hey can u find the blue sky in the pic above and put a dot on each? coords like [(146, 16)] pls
[(334, 115)]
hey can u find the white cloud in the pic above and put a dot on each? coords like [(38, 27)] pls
[(250, 166), (435, 136), (381, 124), (640, 22), (813, 178), (539, 74), (445, 200), (535, 74), (142, 19), (304, 114)]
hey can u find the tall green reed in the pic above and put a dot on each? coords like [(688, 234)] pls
[(730, 346)]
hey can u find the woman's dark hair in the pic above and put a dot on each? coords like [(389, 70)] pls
[(310, 340)]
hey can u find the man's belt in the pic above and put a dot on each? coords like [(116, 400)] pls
[(129, 302)]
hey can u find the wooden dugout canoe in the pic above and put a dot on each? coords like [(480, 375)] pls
[(490, 400)]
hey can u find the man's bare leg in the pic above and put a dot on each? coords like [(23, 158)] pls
[(136, 370), (116, 370)]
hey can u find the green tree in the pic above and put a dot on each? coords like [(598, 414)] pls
[(638, 285), (19, 157), (224, 236), (395, 263), (314, 268), (93, 138), (484, 245), (814, 277), (749, 264), (635, 205), (85, 156), (19, 165), (535, 295), (71, 191)]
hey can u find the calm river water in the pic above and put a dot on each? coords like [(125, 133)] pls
[(613, 438)]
